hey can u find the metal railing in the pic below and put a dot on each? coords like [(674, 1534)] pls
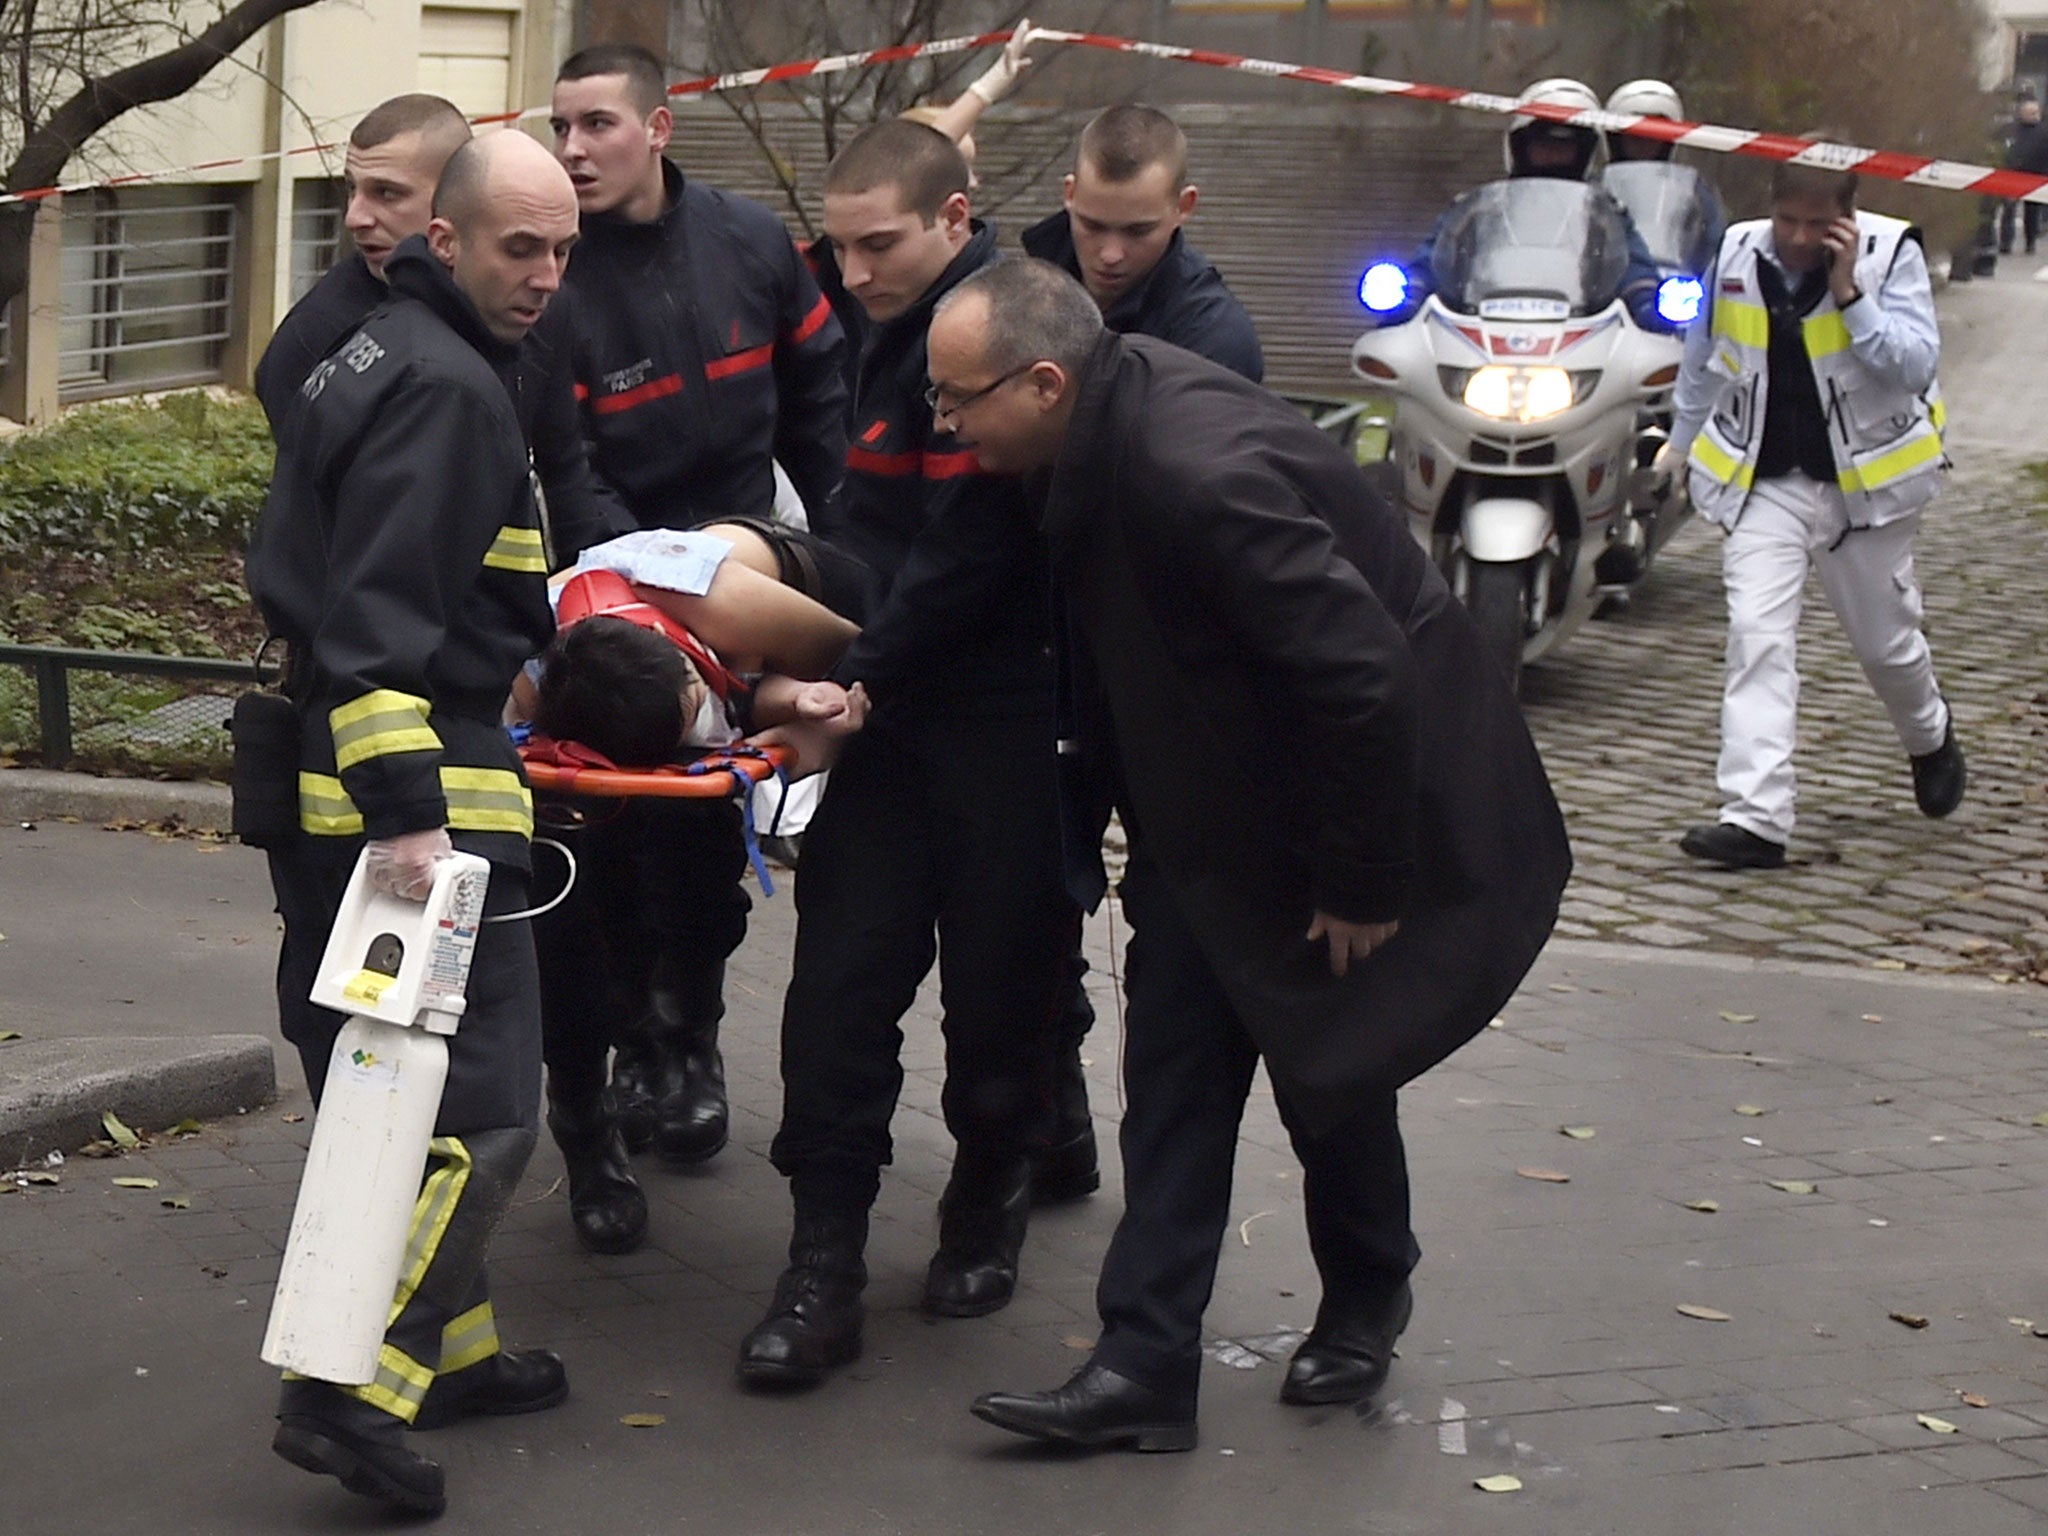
[(52, 665)]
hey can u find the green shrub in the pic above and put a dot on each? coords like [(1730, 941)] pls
[(187, 471)]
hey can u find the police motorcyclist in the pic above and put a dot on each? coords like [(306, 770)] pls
[(1642, 98), (1538, 146)]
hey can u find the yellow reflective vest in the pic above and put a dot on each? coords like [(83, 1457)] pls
[(1886, 438)]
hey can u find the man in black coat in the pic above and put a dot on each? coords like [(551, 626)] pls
[(1229, 577), (2026, 149)]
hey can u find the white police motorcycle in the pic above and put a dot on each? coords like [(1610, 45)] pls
[(1519, 383)]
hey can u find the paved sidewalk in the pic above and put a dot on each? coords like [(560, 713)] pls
[(1547, 1341)]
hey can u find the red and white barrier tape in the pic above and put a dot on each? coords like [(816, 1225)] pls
[(1887, 165)]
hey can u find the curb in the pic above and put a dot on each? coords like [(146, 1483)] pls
[(53, 1092), (40, 794)]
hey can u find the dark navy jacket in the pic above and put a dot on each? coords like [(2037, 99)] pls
[(581, 510), (1183, 300), (962, 613), (703, 352)]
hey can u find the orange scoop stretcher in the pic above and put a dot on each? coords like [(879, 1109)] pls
[(568, 768)]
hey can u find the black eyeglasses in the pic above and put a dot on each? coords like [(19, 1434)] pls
[(931, 394)]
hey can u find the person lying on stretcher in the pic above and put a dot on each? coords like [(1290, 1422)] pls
[(674, 641)]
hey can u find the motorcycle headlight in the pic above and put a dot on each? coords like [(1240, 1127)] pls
[(1519, 394)]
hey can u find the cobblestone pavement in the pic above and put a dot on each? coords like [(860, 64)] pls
[(1627, 716)]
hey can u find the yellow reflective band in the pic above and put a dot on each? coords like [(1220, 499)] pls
[(488, 800), (479, 800), (1825, 334), (400, 1386), (1719, 463), (382, 721), (1747, 324), (517, 549), (431, 1213), (1937, 412), (325, 809), (1895, 465), (469, 1339)]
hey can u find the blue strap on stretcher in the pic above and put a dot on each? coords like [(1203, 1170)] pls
[(743, 787)]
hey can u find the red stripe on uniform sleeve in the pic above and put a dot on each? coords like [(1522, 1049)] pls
[(625, 400), (868, 462), (944, 466), (739, 362), (812, 323)]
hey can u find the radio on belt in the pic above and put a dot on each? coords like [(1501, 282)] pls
[(399, 970)]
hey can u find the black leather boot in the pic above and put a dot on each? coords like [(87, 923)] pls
[(636, 1068), (691, 1122), (1345, 1357), (814, 1323), (606, 1204), (1066, 1168), (982, 1217)]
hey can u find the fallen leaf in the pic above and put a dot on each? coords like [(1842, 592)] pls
[(2040, 1119), (643, 1420), (1076, 1342), (1752, 1141), (118, 1133), (1707, 1207), (1496, 1022), (135, 1183), (2024, 1324), (1910, 1319), (1578, 1132), (1562, 986), (1939, 1426), (1887, 965), (1704, 1314), (177, 1202), (1737, 1018), (291, 1119), (1544, 1175), (10, 1034), (1751, 1109), (1873, 1018), (187, 1127), (1792, 1186), (1974, 1400), (1500, 1482), (37, 1176)]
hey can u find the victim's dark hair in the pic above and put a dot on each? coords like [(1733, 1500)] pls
[(614, 686)]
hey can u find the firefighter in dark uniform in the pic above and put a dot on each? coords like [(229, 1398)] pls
[(703, 354), (1121, 235), (399, 558), (393, 159), (937, 835)]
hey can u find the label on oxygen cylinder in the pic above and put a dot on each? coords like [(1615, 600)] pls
[(446, 973)]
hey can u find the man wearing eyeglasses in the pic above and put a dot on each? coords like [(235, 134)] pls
[(937, 835)]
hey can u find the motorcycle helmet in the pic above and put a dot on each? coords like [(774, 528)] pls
[(1526, 132), (1643, 98)]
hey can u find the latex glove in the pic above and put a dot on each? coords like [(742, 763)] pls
[(403, 866), (1665, 466), (1002, 76), (1349, 941)]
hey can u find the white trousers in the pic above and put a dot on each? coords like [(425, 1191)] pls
[(1787, 526)]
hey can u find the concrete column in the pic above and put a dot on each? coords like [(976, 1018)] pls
[(28, 385)]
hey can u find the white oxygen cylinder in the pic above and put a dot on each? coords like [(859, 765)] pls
[(399, 969)]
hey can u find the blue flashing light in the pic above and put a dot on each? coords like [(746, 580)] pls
[(1384, 287), (1678, 300)]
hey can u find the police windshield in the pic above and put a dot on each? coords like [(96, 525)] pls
[(1528, 245), (1676, 211)]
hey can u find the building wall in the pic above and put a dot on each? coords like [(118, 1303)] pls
[(302, 82)]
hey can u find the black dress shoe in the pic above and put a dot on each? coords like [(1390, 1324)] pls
[(511, 1381), (376, 1469), (606, 1204), (982, 1218), (1345, 1357), (1939, 777), (814, 1323), (1096, 1408), (1733, 847)]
